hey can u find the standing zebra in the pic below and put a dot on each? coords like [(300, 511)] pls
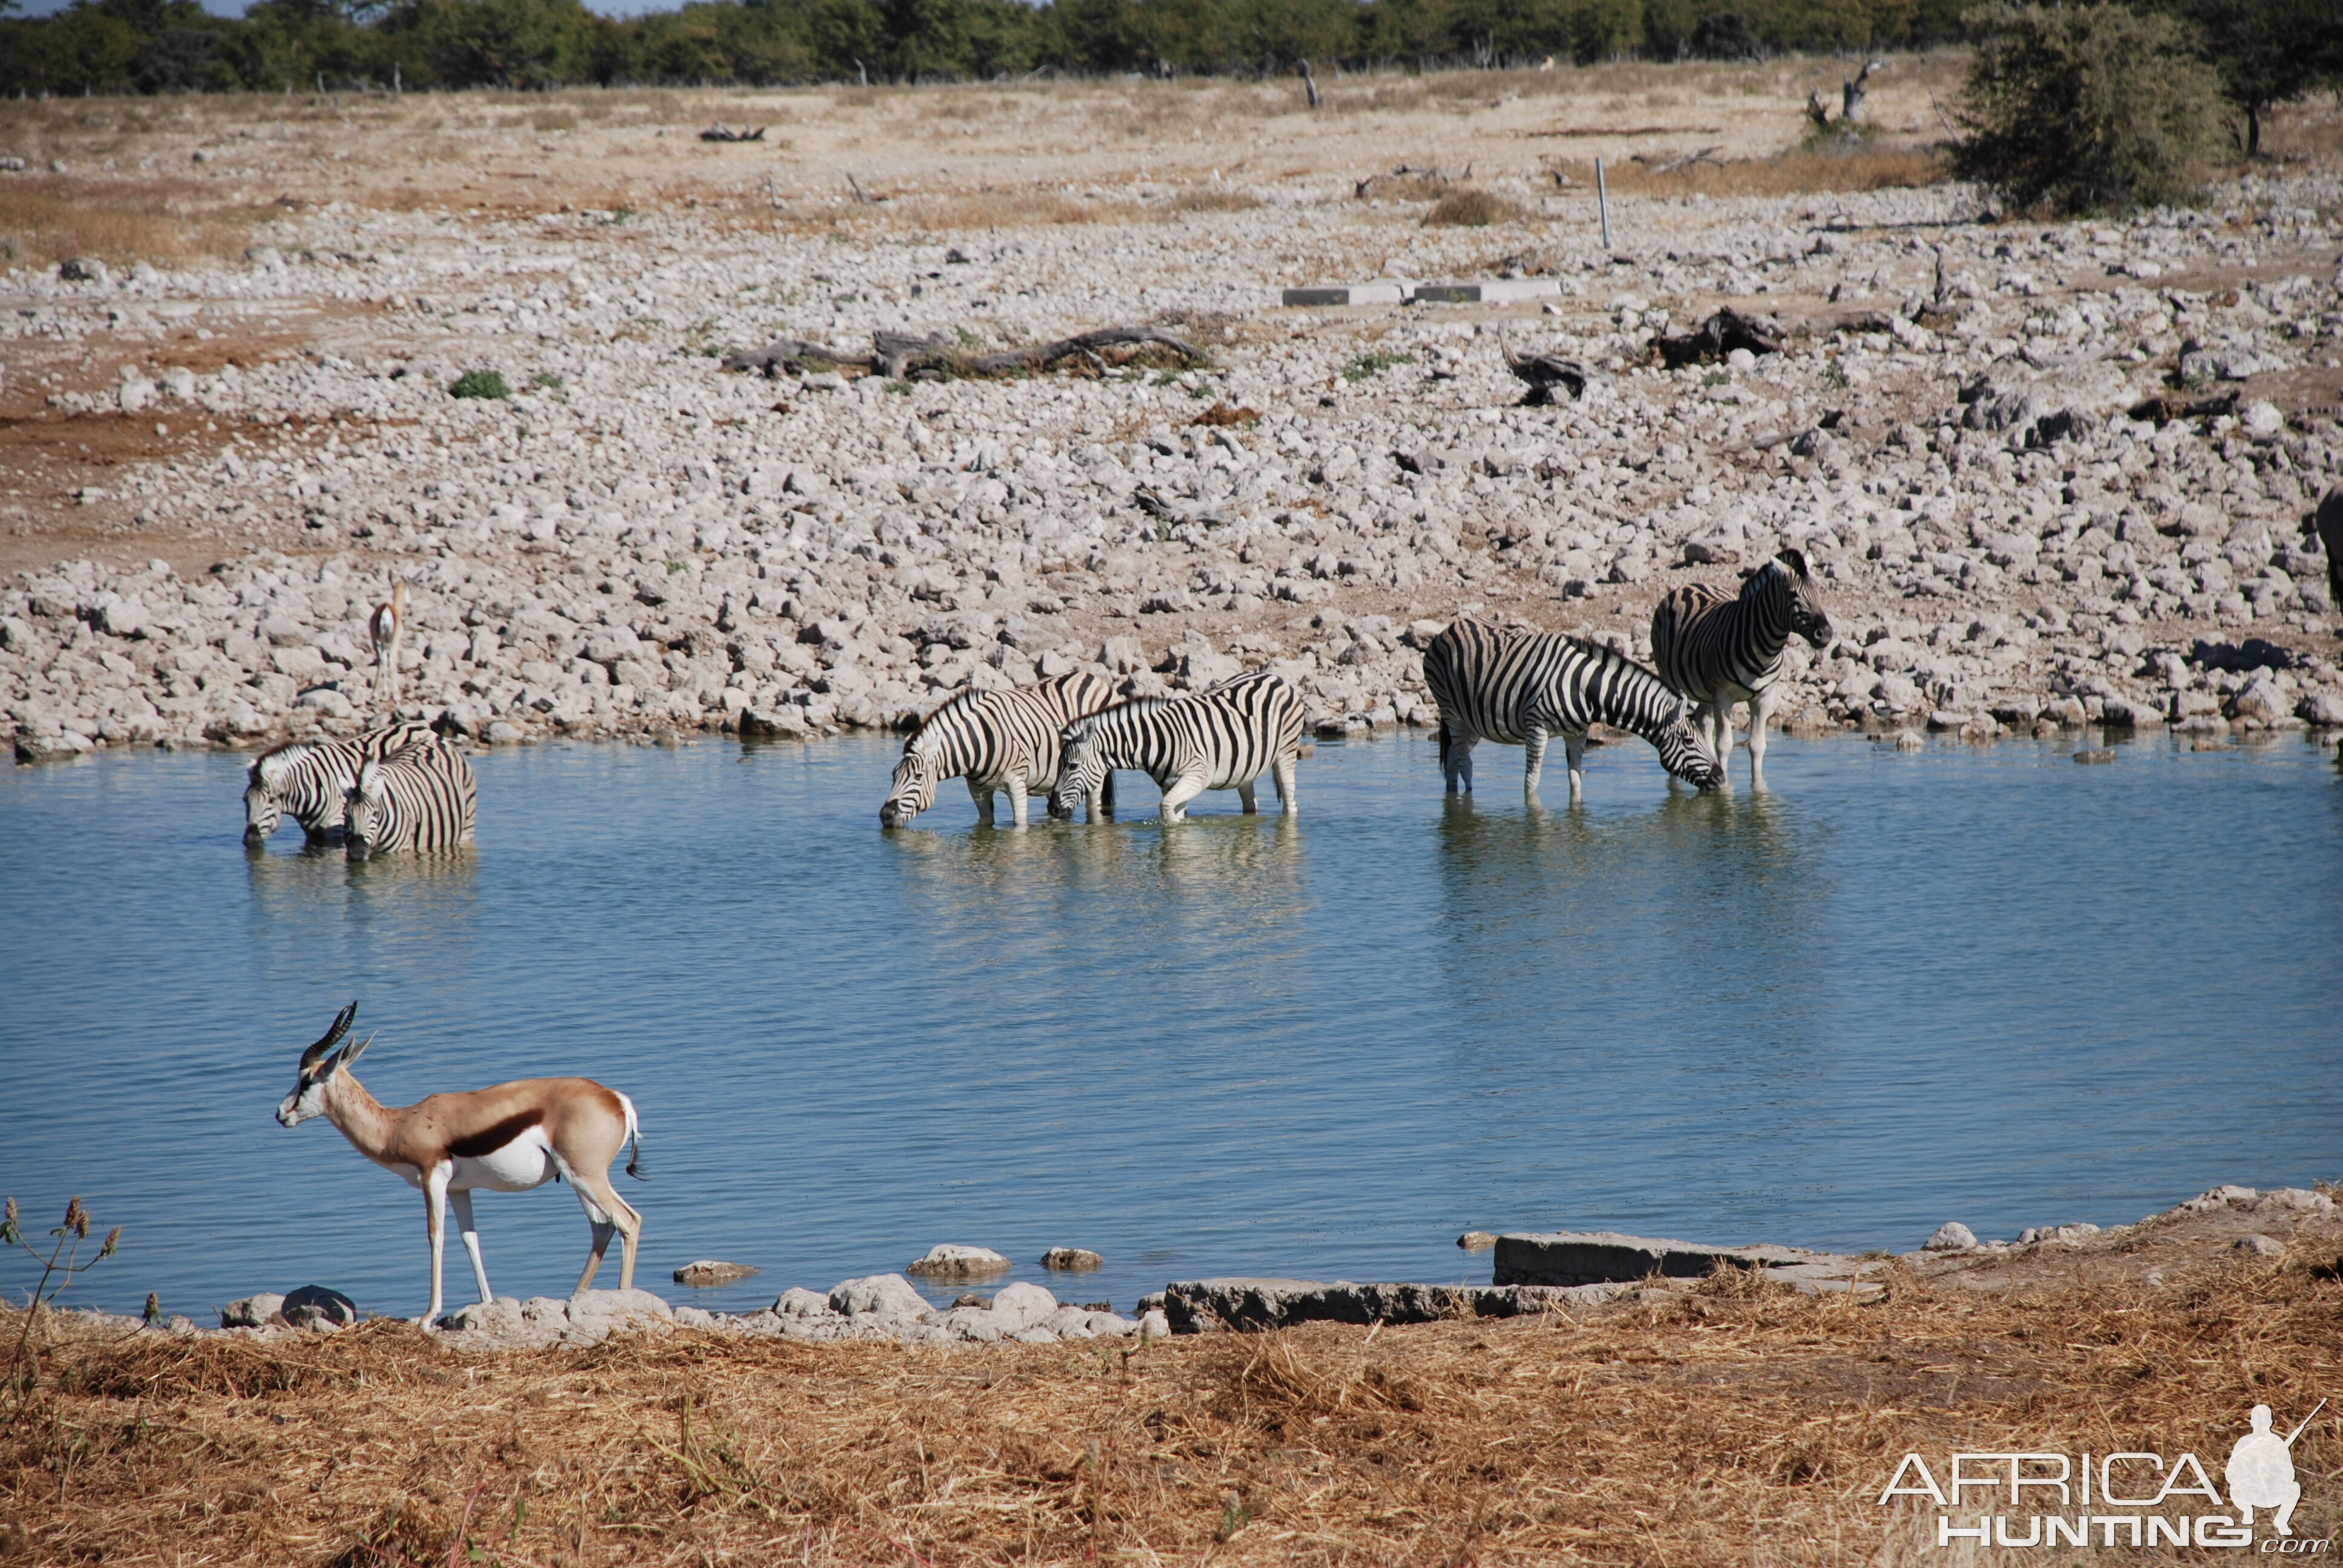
[(1218, 739), (996, 740), (1519, 688), (1719, 651), (308, 780), (418, 797)]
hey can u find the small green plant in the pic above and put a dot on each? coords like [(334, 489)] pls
[(1165, 378), (481, 384), (59, 1268), (900, 389), (1202, 389), (2084, 108), (1834, 375), (618, 216), (546, 379), (674, 567), (1366, 365), (1717, 378), (1234, 1516)]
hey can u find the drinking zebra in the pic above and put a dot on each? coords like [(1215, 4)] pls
[(1719, 651), (420, 797), (1520, 688), (308, 780), (996, 740), (1217, 739)]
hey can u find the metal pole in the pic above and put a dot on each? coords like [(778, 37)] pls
[(1603, 202)]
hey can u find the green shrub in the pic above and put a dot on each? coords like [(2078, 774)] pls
[(481, 384), (2088, 108)]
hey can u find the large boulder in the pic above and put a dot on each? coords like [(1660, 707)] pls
[(595, 1315), (952, 1261), (318, 1307), (881, 1296)]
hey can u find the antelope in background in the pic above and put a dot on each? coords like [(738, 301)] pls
[(508, 1139), (387, 627)]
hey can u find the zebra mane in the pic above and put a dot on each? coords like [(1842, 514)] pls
[(966, 698), (271, 764)]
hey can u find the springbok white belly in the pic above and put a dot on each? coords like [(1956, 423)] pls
[(525, 1162)]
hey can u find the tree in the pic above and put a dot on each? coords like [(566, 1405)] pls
[(2267, 52), (2083, 109)]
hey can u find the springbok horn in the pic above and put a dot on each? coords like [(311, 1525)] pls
[(316, 1053)]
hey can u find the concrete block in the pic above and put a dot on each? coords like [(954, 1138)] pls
[(1490, 291), (1383, 292), (1574, 1257)]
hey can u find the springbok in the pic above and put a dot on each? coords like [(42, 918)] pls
[(508, 1139), (387, 626)]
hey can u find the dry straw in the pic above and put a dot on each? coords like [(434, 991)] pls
[(1731, 1423)]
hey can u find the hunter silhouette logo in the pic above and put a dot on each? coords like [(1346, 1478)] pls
[(2034, 1498), (2260, 1471)]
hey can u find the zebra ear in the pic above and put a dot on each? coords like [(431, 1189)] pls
[(1795, 560), (1684, 708)]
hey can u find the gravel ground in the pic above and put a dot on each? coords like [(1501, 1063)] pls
[(1959, 433)]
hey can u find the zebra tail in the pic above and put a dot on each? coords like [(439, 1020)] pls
[(1444, 747)]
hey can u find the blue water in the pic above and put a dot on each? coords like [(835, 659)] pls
[(1982, 984)]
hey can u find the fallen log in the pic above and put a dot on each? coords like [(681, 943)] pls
[(1717, 336), (1545, 374), (934, 357)]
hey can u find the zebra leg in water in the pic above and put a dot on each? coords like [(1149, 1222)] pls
[(1244, 797), (1281, 773), (1184, 789), (1017, 795), (1460, 760), (1574, 756), (1533, 757), (1761, 709), (982, 795)]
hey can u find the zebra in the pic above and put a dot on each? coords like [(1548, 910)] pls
[(1519, 688), (1719, 651), (1222, 738), (308, 779), (996, 740), (420, 797)]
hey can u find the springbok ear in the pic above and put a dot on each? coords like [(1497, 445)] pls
[(349, 1054), (1795, 560)]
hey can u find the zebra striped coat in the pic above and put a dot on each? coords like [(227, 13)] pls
[(1719, 651), (996, 740), (1222, 738), (1521, 687), (308, 780), (420, 797)]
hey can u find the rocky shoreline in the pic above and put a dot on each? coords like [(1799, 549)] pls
[(2053, 476), (1578, 1273)]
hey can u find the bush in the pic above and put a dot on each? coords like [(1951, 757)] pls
[(2084, 109), (1465, 208), (481, 384)]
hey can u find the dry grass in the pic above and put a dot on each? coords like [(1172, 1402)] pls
[(44, 219), (1803, 171), (1735, 1423), (1206, 198), (1467, 207)]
